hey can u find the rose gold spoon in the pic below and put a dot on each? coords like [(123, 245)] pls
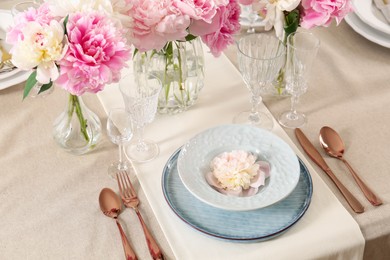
[(334, 146), (110, 204)]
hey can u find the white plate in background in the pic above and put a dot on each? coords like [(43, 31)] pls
[(366, 31), (15, 76), (371, 15)]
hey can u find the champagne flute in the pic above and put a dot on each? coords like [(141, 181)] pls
[(119, 130), (140, 92), (260, 57), (302, 48)]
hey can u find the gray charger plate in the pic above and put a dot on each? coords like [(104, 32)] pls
[(237, 226)]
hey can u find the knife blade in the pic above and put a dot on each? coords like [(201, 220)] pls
[(309, 148)]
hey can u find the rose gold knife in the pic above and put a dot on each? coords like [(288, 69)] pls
[(317, 158)]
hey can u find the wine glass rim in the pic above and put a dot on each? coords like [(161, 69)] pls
[(281, 46), (316, 41)]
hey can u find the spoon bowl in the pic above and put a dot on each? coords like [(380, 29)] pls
[(110, 205), (334, 146)]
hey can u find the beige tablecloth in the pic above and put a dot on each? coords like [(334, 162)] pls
[(49, 203)]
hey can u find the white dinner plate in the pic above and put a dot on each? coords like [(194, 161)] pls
[(15, 76), (196, 155), (371, 15), (366, 31)]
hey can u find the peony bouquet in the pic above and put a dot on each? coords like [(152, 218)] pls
[(285, 16), (80, 46), (155, 24), (167, 36)]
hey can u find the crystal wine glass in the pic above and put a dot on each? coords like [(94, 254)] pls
[(140, 92), (302, 48), (260, 57), (119, 129)]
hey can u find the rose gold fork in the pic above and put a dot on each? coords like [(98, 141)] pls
[(130, 199)]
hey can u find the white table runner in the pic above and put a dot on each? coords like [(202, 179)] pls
[(327, 230)]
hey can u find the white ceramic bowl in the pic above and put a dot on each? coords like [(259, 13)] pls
[(196, 155)]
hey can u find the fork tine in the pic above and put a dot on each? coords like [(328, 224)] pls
[(125, 193), (130, 185)]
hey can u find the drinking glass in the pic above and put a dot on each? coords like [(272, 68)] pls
[(140, 92), (119, 130), (260, 57), (302, 48)]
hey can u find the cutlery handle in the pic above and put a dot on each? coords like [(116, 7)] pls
[(129, 253), (366, 190), (154, 250), (352, 201)]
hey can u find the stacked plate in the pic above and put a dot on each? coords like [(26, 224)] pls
[(370, 22), (278, 205), (15, 76)]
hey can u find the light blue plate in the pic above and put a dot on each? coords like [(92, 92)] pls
[(238, 226)]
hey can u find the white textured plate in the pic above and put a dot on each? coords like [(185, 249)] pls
[(366, 31), (196, 155), (371, 15), (15, 76)]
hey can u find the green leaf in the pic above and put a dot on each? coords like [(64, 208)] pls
[(65, 22), (190, 37), (31, 81), (135, 52), (292, 22), (45, 87)]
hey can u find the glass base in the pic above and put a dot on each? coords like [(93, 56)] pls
[(263, 120), (144, 152), (292, 120), (116, 167)]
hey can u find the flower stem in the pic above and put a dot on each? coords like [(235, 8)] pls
[(74, 104)]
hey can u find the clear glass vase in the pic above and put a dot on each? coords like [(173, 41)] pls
[(77, 129), (180, 67)]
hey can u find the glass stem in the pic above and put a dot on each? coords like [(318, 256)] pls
[(141, 146), (255, 100), (293, 110), (120, 147)]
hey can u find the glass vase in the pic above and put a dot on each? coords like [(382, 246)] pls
[(180, 67), (77, 129)]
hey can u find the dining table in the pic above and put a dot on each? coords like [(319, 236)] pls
[(50, 198)]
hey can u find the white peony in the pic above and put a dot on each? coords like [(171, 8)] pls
[(41, 47), (274, 13), (117, 9)]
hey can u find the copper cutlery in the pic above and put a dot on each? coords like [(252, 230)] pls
[(110, 205), (130, 200), (334, 146), (317, 158)]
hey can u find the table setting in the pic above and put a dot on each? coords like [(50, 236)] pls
[(154, 140)]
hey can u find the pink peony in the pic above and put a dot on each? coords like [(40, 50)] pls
[(226, 22), (203, 10), (322, 12), (96, 53), (40, 15), (155, 23), (245, 2)]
